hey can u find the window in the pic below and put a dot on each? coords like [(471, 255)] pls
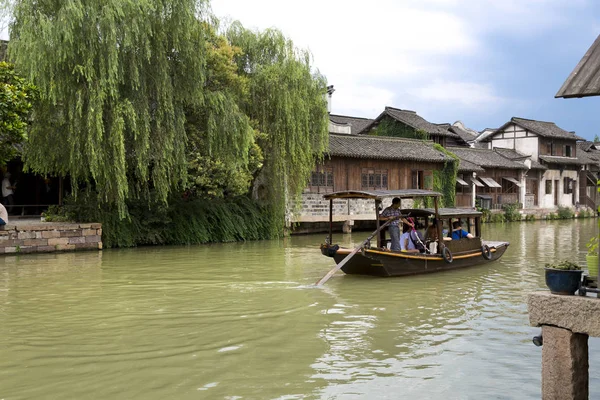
[(417, 180), (374, 179), (568, 151), (548, 186), (552, 149), (321, 181), (568, 185)]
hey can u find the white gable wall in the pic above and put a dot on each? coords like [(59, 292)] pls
[(516, 138)]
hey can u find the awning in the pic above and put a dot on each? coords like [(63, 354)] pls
[(490, 182), (458, 180), (513, 180), (477, 183)]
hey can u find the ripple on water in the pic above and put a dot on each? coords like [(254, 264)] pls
[(239, 321)]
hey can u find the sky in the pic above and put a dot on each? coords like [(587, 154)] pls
[(477, 61)]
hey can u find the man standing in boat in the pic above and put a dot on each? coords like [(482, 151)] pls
[(393, 212)]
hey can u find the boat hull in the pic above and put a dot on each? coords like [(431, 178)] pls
[(387, 263)]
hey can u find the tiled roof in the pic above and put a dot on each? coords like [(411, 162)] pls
[(585, 78), (464, 135), (486, 158), (466, 166), (586, 150), (357, 124), (412, 119), (384, 148), (562, 160), (518, 157), (545, 129)]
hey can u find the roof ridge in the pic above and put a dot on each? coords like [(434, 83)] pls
[(538, 120), (393, 138), (399, 109), (349, 116)]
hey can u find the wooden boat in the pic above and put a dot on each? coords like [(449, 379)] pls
[(378, 260)]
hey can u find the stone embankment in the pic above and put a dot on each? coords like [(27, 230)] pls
[(45, 237)]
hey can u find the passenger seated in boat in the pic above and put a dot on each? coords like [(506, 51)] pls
[(411, 240), (458, 232), (431, 234)]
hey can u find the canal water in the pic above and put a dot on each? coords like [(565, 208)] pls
[(244, 321)]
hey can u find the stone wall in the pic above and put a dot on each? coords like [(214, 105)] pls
[(48, 237)]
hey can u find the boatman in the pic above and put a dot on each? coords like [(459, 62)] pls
[(393, 212)]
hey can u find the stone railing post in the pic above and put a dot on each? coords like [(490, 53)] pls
[(567, 322)]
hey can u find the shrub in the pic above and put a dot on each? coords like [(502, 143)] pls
[(565, 213), (511, 212), (565, 265)]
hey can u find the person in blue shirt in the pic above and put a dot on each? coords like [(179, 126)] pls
[(458, 232)]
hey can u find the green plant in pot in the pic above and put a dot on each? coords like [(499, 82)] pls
[(592, 256), (563, 277)]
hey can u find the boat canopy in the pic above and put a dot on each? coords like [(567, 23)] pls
[(442, 212), (381, 194)]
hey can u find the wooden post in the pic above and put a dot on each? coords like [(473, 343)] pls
[(377, 203), (331, 221), (60, 191), (439, 226), (478, 226)]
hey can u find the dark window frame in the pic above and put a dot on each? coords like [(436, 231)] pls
[(374, 179)]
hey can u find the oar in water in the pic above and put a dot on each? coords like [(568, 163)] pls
[(349, 256)]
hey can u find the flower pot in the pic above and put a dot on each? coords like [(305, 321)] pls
[(561, 281), (592, 264)]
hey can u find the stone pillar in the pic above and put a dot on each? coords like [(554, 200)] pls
[(347, 228), (564, 364)]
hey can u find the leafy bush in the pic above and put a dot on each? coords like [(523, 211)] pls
[(497, 218), (530, 217), (511, 212), (565, 213), (565, 266), (592, 246), (151, 222), (551, 216)]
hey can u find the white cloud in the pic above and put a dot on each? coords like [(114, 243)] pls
[(406, 53)]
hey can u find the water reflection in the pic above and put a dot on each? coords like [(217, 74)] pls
[(244, 320)]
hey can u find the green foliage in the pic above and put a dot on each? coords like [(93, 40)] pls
[(287, 103), (565, 266), (496, 217), (530, 217), (592, 246), (391, 127), (552, 216), (565, 213), (511, 212), (16, 97), (114, 79), (181, 222), (444, 180), (596, 138)]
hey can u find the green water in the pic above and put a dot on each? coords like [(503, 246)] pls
[(243, 321)]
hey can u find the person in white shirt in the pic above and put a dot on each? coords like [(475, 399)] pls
[(8, 191), (3, 215)]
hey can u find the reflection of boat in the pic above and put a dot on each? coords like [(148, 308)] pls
[(380, 261)]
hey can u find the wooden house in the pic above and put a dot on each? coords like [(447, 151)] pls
[(550, 146), (500, 183), (408, 123), (588, 177), (362, 162)]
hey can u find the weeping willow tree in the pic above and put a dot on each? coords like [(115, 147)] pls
[(286, 102), (115, 78)]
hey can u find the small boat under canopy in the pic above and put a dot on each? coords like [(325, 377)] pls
[(378, 260)]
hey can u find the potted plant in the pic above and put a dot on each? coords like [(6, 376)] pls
[(563, 278), (592, 256)]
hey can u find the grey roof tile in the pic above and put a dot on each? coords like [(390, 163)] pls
[(545, 129), (384, 148), (486, 158), (357, 124), (412, 119), (585, 78), (518, 157), (562, 160)]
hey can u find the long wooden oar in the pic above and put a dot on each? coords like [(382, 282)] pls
[(349, 256)]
